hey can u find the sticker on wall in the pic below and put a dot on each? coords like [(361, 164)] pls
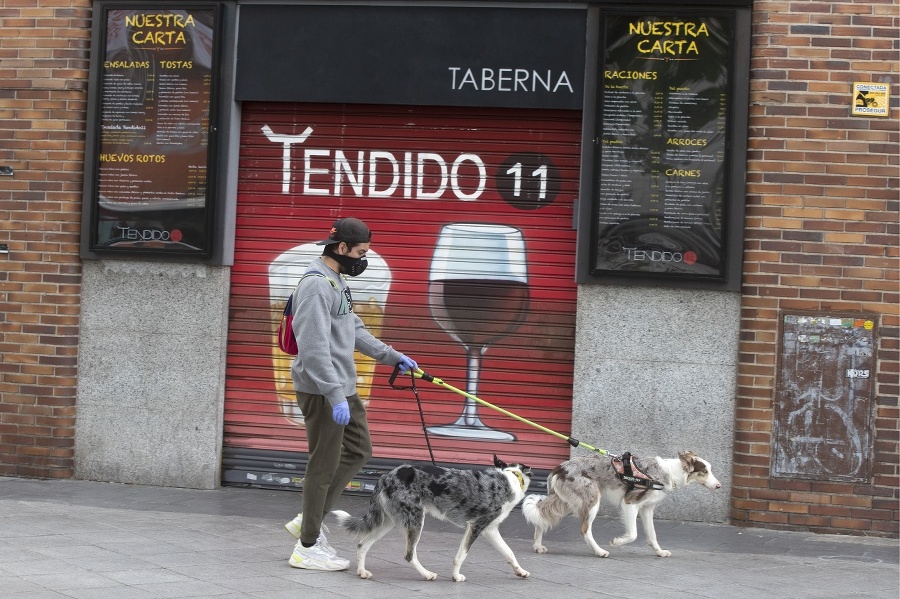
[(871, 99)]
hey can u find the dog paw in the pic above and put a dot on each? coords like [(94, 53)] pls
[(459, 578), (522, 573), (540, 548), (601, 553), (364, 573), (619, 541), (430, 575), (663, 553)]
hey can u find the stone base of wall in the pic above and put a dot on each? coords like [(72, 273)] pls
[(152, 373)]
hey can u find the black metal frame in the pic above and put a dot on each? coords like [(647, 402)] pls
[(212, 219), (736, 142)]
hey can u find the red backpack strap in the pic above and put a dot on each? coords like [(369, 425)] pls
[(286, 340)]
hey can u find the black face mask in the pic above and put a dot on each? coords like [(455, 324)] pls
[(352, 266)]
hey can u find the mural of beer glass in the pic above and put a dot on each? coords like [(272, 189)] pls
[(478, 293), (370, 293)]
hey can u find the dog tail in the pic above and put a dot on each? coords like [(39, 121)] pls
[(532, 512), (344, 519), (362, 525), (545, 511)]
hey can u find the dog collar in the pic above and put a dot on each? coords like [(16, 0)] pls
[(520, 477)]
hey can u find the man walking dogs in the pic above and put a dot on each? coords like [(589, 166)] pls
[(324, 377)]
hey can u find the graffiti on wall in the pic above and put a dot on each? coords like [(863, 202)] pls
[(823, 406)]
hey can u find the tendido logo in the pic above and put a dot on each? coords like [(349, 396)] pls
[(379, 173), (645, 255), (131, 234)]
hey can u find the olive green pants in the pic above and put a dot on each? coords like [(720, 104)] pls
[(336, 454)]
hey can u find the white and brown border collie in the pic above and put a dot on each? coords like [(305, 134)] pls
[(576, 485)]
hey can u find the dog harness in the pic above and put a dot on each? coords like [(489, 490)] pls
[(631, 475)]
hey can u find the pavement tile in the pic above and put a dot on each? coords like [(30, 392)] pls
[(43, 594), (190, 588), (38, 567), (116, 592), (63, 581), (146, 576), (13, 586), (259, 584)]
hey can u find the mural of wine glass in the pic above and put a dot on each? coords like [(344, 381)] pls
[(478, 293)]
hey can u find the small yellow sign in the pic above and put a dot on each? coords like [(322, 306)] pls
[(871, 99)]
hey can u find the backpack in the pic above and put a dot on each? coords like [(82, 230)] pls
[(286, 340)]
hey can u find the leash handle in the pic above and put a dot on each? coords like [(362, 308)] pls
[(394, 377), (418, 373)]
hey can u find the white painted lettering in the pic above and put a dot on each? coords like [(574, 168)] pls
[(506, 79), (287, 140), (374, 157), (487, 80), (309, 171), (563, 82), (536, 78), (521, 80), (453, 71), (381, 173), (341, 166), (420, 176), (407, 175), (469, 79), (454, 177), (504, 76)]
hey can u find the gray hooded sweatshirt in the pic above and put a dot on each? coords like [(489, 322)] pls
[(327, 332)]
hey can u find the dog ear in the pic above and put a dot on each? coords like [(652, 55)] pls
[(687, 460), (499, 463), (526, 470)]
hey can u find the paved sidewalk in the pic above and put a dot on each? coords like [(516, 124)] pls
[(90, 540)]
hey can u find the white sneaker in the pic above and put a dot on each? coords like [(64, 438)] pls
[(316, 558), (294, 527)]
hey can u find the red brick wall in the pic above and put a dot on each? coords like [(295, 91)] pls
[(43, 82), (822, 235)]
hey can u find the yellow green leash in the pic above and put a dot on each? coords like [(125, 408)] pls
[(421, 374)]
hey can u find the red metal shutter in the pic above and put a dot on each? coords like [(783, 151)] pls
[(454, 197)]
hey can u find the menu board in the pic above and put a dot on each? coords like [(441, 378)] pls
[(663, 108), (153, 167)]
